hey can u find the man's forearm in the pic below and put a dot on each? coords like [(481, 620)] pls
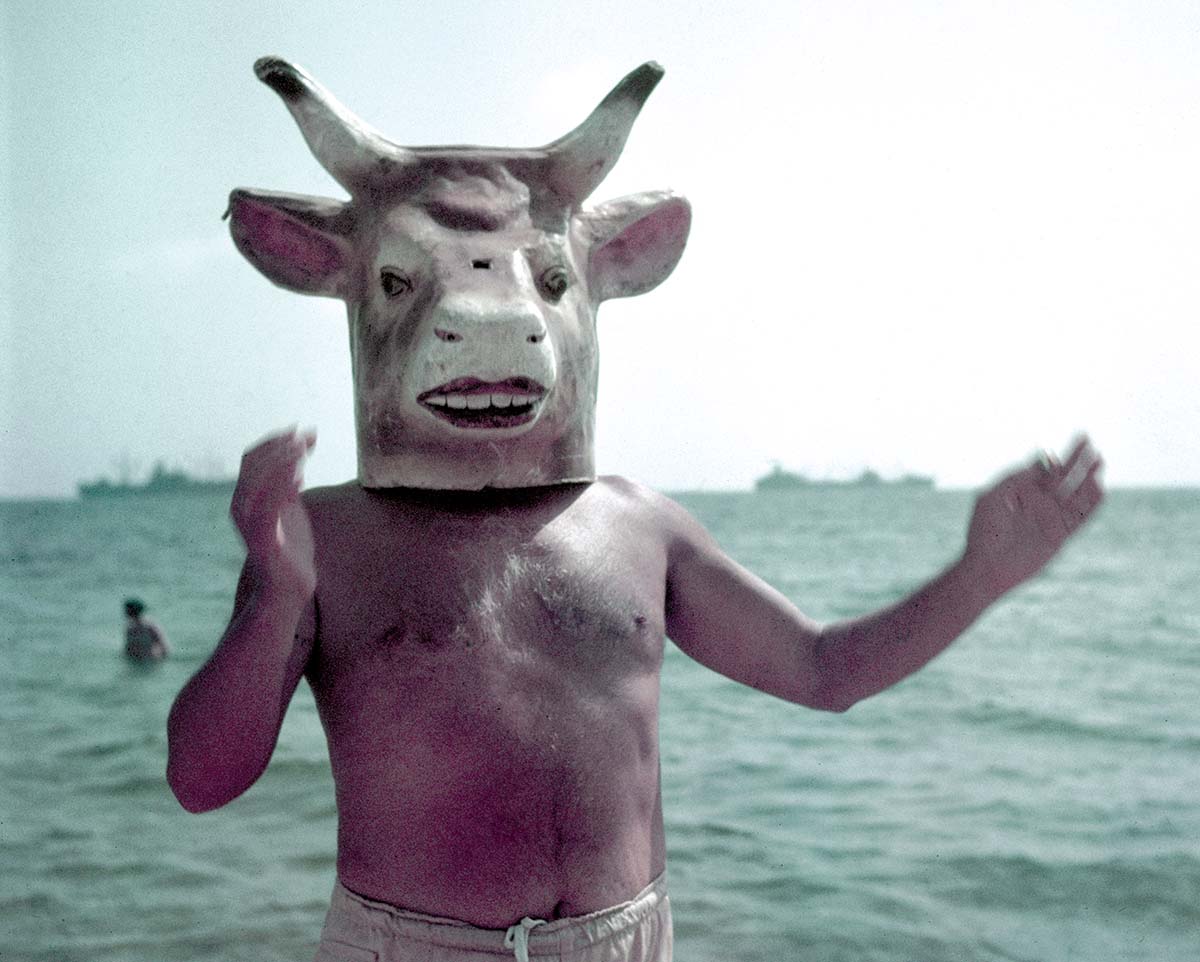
[(863, 656), (224, 723)]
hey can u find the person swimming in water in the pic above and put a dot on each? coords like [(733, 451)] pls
[(144, 640)]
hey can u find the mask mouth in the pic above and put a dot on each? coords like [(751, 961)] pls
[(468, 402)]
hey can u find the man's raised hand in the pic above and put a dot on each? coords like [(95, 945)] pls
[(1020, 523), (268, 514)]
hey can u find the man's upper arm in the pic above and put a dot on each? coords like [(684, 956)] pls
[(731, 621)]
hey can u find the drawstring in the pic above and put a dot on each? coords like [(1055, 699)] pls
[(517, 937)]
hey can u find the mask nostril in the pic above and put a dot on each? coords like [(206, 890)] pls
[(444, 335), (535, 338), (481, 265)]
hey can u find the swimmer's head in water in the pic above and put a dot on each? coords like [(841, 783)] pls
[(134, 607), (471, 277)]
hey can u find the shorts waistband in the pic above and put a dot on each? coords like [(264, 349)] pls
[(548, 937)]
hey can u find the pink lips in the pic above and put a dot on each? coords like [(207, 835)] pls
[(472, 385), (471, 403)]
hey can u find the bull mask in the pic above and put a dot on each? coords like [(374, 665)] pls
[(471, 277)]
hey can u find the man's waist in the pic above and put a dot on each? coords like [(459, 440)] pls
[(568, 932)]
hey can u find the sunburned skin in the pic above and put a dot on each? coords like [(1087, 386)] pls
[(487, 672)]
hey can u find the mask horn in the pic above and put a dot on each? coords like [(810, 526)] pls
[(577, 162), (351, 151)]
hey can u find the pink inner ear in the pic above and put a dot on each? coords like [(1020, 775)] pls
[(269, 236), (664, 229)]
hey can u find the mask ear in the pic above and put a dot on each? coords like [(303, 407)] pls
[(634, 242), (298, 242)]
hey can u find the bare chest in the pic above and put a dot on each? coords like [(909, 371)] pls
[(485, 618)]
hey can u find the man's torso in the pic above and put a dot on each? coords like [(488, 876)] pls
[(487, 671)]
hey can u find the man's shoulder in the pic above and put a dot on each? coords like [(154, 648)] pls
[(632, 494), (654, 507)]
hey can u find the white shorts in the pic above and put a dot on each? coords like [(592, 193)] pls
[(360, 930)]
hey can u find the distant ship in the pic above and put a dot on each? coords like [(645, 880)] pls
[(162, 480), (780, 480)]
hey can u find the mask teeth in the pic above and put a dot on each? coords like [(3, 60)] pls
[(497, 401)]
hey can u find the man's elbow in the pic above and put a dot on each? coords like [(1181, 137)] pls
[(197, 791), (829, 685), (835, 700), (194, 803), (819, 695), (187, 793)]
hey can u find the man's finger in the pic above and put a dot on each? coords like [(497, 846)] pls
[(282, 440), (280, 473), (1047, 470), (1052, 470), (281, 447), (263, 480), (1079, 446), (1085, 498), (272, 440), (270, 478), (1083, 464), (1078, 511)]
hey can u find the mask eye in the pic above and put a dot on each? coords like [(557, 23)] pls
[(554, 282), (394, 283)]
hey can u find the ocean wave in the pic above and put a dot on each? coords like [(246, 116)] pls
[(108, 749), (1024, 720), (1162, 890), (138, 783), (32, 903), (324, 862)]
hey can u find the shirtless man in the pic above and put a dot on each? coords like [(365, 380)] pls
[(480, 618), (486, 667)]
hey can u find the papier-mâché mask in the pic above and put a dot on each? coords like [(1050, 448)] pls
[(471, 277)]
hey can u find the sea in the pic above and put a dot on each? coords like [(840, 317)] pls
[(1033, 794)]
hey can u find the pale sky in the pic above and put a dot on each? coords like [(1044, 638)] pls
[(927, 237)]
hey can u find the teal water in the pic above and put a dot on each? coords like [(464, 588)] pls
[(1034, 794)]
